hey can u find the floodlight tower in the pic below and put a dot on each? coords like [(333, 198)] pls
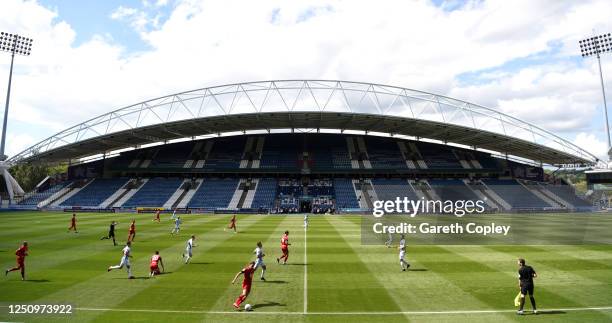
[(597, 45), (14, 44)]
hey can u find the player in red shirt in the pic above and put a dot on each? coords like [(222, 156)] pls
[(73, 223), (156, 260), (232, 224), (156, 218), (284, 248), (248, 272), (132, 232), (21, 253)]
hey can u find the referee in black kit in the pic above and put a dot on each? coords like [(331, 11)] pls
[(526, 276), (111, 232)]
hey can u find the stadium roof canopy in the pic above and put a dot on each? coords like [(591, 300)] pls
[(308, 104)]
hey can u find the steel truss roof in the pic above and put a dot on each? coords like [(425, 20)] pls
[(314, 104)]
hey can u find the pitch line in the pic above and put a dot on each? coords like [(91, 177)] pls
[(570, 309), (305, 270)]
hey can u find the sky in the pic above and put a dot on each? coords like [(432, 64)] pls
[(519, 57)]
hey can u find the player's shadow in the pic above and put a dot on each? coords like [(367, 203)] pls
[(418, 269), (164, 273), (267, 304), (38, 280), (275, 281)]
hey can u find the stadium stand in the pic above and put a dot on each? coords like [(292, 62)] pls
[(384, 153), (322, 193), (289, 192), (515, 194), (452, 189), (154, 193), (265, 194), (95, 193), (214, 193), (172, 156), (281, 152), (438, 157), (389, 189), (37, 197), (304, 172), (328, 152), (345, 194), (568, 194), (226, 153)]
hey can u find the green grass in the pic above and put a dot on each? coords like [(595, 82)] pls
[(341, 279)]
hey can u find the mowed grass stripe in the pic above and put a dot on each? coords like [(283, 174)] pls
[(185, 282), (64, 279), (20, 217), (596, 271), (100, 288), (348, 231), (412, 290), (558, 284), (68, 247), (43, 238), (596, 253), (547, 294), (61, 220), (48, 229), (200, 284), (282, 291), (337, 280), (560, 267)]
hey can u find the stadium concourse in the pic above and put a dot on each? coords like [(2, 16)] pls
[(259, 148)]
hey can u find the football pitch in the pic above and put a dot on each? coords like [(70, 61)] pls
[(330, 275)]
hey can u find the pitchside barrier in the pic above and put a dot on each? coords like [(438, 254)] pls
[(162, 210), (89, 210), (241, 211)]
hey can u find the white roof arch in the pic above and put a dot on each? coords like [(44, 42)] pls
[(321, 104)]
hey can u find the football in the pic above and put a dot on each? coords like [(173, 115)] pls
[(248, 307)]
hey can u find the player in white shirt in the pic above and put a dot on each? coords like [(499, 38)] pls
[(389, 241), (259, 254), (125, 260), (188, 249), (177, 225), (402, 253), (173, 215), (306, 221)]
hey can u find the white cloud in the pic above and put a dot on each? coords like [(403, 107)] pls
[(560, 98), (137, 19), (123, 12), (161, 3), (404, 43), (592, 144)]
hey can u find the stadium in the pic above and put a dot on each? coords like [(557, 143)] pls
[(302, 146), (265, 155)]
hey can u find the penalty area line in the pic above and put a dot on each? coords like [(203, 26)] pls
[(570, 309)]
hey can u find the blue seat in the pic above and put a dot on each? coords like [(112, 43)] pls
[(96, 192)]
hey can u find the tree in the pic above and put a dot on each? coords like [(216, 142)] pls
[(28, 175)]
